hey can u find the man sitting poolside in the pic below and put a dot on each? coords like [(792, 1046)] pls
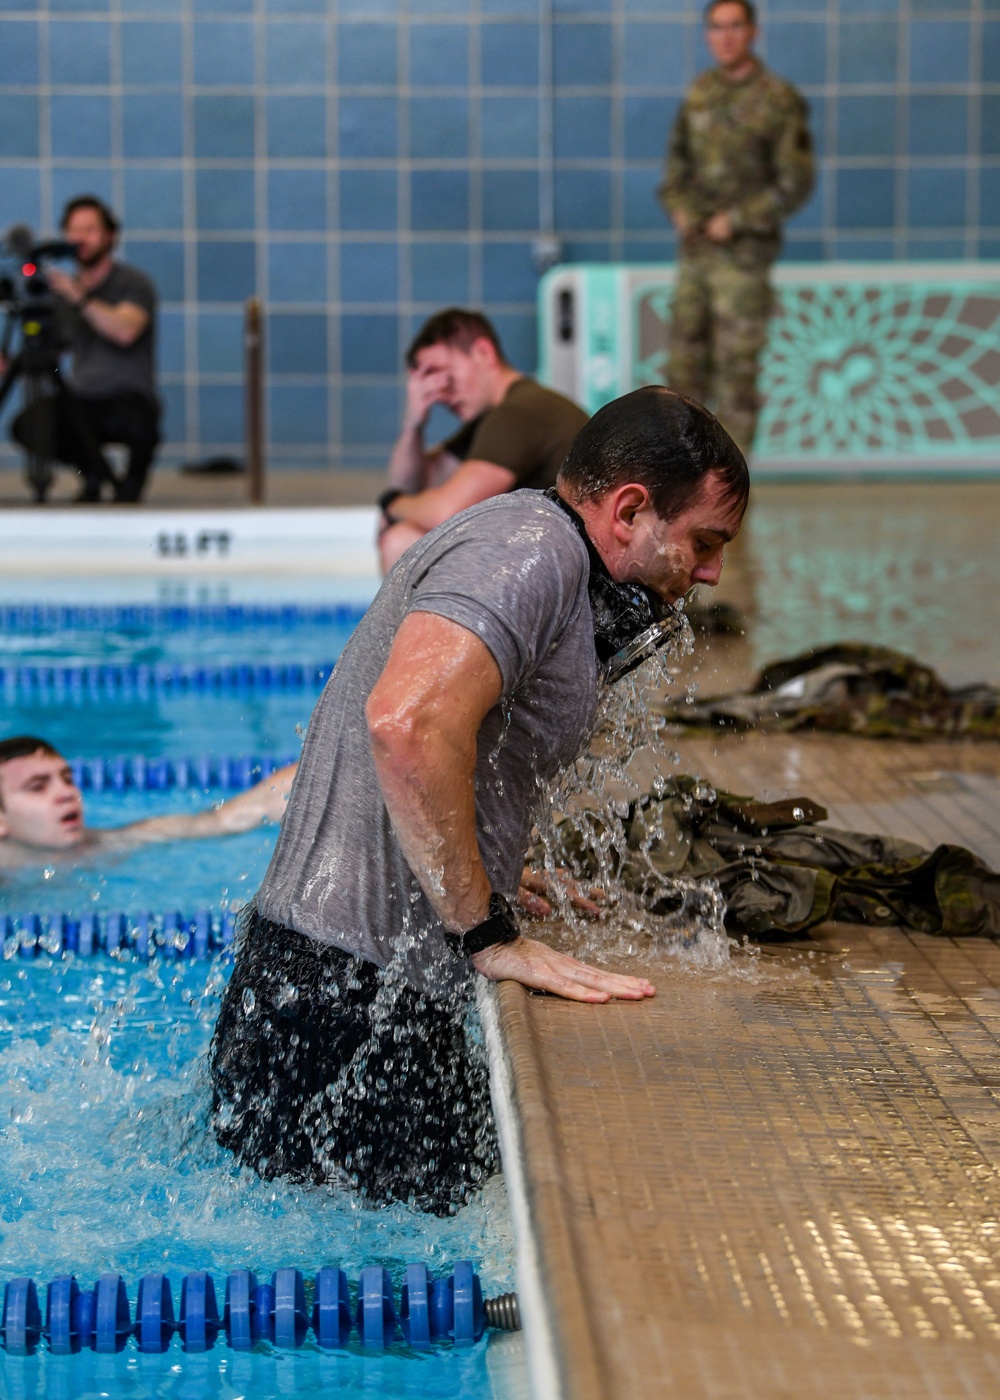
[(41, 811), (514, 432)]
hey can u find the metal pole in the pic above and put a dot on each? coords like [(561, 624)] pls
[(253, 345), (546, 249)]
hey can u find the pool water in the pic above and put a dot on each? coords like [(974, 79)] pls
[(182, 877), (107, 1163), (174, 726)]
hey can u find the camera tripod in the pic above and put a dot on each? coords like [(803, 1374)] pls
[(38, 366)]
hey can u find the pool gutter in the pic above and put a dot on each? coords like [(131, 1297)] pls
[(562, 1364)]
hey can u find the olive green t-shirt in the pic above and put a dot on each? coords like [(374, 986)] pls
[(529, 433)]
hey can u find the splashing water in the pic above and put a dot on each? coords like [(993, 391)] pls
[(583, 829), (109, 1162)]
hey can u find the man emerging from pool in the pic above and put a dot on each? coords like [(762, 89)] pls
[(342, 1049)]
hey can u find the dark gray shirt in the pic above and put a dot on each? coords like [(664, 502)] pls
[(99, 368), (514, 571)]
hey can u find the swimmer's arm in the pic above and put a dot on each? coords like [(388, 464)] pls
[(469, 484), (424, 714), (263, 803)]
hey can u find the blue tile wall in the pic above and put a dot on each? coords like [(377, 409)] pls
[(18, 52), (359, 163)]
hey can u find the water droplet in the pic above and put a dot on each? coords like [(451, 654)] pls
[(249, 1000), (798, 814)]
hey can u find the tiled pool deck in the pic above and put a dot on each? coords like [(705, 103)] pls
[(781, 1178)]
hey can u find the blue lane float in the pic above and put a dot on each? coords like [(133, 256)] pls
[(137, 773), (281, 1312), (107, 683), (39, 619), (204, 934)]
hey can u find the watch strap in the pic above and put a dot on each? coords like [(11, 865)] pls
[(386, 499), (499, 926)]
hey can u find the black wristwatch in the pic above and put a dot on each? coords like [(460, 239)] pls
[(385, 501), (499, 926)]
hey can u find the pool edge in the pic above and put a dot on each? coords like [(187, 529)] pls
[(561, 1361)]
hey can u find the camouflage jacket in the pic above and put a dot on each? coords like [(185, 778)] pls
[(851, 688), (780, 870), (742, 147)]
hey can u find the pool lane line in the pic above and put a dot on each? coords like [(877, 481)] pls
[(108, 683), (429, 1311), (205, 934), (38, 619), (136, 772)]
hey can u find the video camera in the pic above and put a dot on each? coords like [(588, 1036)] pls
[(26, 294)]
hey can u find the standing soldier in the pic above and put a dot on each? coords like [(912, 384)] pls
[(739, 162)]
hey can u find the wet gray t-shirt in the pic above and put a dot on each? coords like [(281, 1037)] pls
[(514, 571)]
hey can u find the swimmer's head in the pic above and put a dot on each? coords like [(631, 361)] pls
[(663, 489), (461, 351), (40, 805)]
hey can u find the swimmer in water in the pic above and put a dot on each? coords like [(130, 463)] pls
[(42, 817), (42, 820)]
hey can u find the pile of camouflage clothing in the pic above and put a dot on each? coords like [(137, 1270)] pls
[(852, 689), (779, 871)]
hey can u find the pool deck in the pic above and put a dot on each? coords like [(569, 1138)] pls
[(782, 1178), (170, 489)]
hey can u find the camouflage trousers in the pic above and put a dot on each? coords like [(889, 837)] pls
[(717, 332)]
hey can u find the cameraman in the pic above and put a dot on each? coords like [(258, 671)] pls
[(107, 315)]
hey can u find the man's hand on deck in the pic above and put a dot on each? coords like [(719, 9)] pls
[(536, 965)]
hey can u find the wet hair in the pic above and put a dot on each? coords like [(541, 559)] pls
[(90, 201), (454, 326), (749, 9), (23, 746), (660, 440)]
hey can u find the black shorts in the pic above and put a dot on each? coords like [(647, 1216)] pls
[(323, 1065)]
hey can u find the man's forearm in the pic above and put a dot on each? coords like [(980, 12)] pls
[(425, 509), (121, 323), (408, 463), (427, 784)]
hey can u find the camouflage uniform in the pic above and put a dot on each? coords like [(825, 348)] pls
[(780, 872), (851, 688), (743, 148)]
